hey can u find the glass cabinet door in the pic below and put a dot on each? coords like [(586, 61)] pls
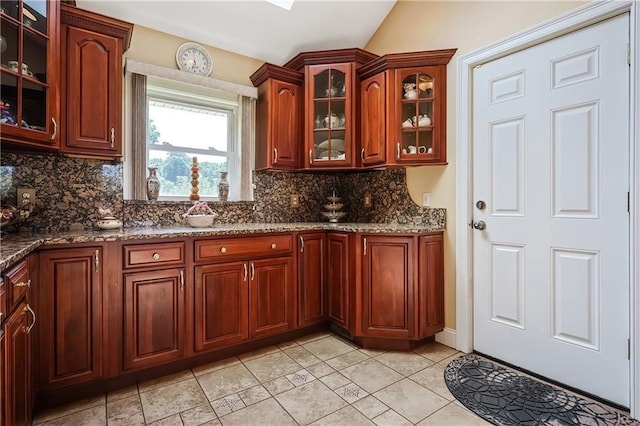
[(417, 116), (330, 106), (29, 39)]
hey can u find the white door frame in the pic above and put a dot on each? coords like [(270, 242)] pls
[(563, 24)]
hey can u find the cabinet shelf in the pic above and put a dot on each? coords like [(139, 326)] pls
[(420, 128)]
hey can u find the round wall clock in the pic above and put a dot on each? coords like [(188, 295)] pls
[(193, 58)]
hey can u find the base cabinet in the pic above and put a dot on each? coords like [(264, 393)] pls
[(221, 305), (71, 306), (388, 286), (154, 317), (312, 289), (339, 279), (271, 297), (16, 363)]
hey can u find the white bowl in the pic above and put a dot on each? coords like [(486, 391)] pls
[(200, 221), (109, 223)]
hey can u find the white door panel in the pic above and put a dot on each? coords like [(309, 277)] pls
[(550, 159)]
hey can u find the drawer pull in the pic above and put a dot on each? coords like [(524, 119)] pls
[(181, 279), (156, 256), (301, 243), (275, 155), (223, 250), (28, 308), (364, 245), (245, 272), (96, 261), (23, 284), (253, 271), (273, 246)]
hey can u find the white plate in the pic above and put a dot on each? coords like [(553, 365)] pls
[(336, 144)]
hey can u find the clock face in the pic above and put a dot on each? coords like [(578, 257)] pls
[(192, 57)]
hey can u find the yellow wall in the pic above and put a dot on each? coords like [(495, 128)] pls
[(158, 48), (465, 25)]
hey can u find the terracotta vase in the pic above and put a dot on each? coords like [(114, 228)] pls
[(153, 184)]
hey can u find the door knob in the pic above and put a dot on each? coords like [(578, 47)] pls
[(479, 225)]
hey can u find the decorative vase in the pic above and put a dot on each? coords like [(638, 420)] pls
[(223, 187), (153, 184)]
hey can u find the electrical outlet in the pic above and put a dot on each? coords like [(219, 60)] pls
[(295, 200), (367, 199), (426, 199), (26, 196)]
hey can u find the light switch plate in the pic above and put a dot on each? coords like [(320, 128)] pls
[(426, 199), (26, 196), (367, 199)]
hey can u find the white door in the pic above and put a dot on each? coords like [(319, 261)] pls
[(550, 160)]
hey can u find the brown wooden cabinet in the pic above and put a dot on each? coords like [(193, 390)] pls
[(373, 118), (401, 287), (91, 54), (339, 282), (16, 360), (221, 305), (278, 117), (312, 288), (70, 302), (252, 276), (388, 286), (30, 91), (414, 127), (16, 346), (154, 317)]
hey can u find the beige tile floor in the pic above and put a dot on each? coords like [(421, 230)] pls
[(319, 379)]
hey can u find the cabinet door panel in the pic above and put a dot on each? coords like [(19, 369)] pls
[(17, 359), (154, 317), (271, 298), (431, 285), (373, 120), (71, 306), (93, 84), (388, 287), (338, 282), (221, 305), (286, 125), (311, 279)]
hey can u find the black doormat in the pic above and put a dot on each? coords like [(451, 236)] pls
[(505, 397)]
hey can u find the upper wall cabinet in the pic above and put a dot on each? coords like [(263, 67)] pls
[(91, 57), (331, 119), (278, 117), (29, 74), (403, 97)]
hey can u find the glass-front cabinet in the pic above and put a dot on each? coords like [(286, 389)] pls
[(329, 116), (29, 46), (419, 120)]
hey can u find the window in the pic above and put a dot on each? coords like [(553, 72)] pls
[(183, 126), (176, 116)]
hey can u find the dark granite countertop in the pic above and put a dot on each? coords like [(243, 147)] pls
[(15, 247)]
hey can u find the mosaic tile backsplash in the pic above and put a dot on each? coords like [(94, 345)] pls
[(70, 190)]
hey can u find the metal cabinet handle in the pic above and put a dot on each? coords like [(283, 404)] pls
[(113, 137), (362, 154), (301, 243), (311, 156), (245, 272), (96, 261), (181, 279), (156, 256), (398, 150), (23, 284), (253, 271), (364, 245), (33, 314), (275, 155), (273, 246), (55, 129), (223, 250)]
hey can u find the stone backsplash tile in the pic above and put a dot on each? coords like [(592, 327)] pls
[(70, 191)]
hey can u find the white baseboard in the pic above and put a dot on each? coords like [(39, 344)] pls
[(447, 337)]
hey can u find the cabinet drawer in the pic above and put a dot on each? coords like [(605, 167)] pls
[(17, 282), (163, 254), (242, 247)]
